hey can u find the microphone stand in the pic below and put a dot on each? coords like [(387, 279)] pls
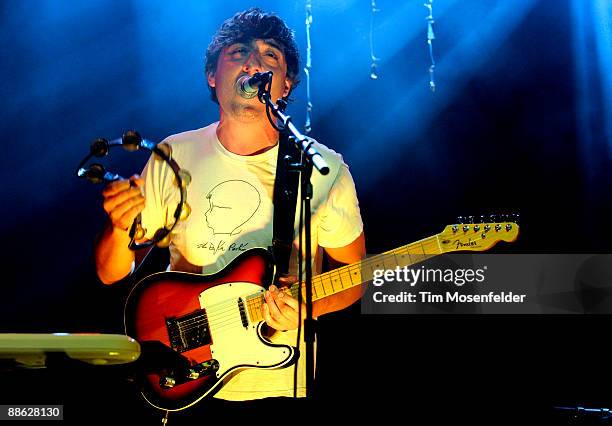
[(310, 157)]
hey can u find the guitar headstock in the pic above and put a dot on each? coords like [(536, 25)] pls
[(471, 235)]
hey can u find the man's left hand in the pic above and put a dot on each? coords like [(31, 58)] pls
[(281, 310)]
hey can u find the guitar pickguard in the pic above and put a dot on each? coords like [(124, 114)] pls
[(233, 345)]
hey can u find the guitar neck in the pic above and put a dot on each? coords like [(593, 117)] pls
[(346, 277), (349, 276)]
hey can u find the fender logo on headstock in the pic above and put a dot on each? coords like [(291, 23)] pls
[(469, 243), (458, 244)]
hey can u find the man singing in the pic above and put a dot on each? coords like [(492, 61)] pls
[(233, 167)]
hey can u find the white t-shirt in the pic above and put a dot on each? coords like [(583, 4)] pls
[(231, 211)]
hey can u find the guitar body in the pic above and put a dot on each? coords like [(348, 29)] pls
[(196, 330)]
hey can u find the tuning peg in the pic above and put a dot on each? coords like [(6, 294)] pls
[(460, 219), (483, 219), (470, 219), (492, 218)]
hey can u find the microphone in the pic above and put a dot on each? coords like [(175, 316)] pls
[(248, 87)]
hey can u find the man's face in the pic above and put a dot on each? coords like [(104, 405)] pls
[(239, 59)]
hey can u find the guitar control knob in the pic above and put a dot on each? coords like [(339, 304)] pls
[(167, 382)]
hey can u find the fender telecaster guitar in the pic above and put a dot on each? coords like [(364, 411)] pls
[(195, 330)]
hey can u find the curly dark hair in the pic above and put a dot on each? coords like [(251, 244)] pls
[(246, 26)]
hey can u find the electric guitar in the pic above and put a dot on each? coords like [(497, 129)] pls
[(195, 330)]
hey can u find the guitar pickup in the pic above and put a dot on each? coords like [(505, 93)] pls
[(189, 331), (194, 372), (243, 315)]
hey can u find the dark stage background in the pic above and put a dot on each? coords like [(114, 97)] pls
[(520, 122)]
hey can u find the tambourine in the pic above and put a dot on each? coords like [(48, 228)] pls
[(132, 141)]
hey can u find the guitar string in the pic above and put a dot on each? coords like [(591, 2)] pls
[(229, 308), (319, 280), (228, 318), (229, 323), (226, 309), (335, 275), (255, 301)]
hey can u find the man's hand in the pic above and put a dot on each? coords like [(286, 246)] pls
[(281, 310), (123, 201)]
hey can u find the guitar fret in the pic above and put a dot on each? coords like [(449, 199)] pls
[(345, 276), (388, 262), (256, 306), (250, 308), (322, 280), (337, 279)]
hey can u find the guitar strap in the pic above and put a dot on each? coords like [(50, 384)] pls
[(284, 200)]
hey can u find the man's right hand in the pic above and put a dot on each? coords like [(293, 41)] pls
[(123, 201)]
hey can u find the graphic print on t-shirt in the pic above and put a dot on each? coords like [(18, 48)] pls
[(231, 205)]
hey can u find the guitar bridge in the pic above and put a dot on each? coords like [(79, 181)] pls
[(189, 331)]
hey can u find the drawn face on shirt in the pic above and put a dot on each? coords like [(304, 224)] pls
[(231, 205)]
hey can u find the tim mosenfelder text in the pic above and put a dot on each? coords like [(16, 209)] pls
[(457, 277)]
